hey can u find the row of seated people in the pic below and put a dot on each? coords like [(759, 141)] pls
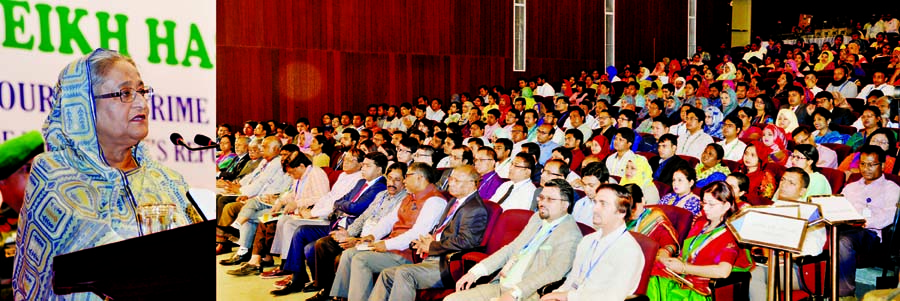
[(555, 169)]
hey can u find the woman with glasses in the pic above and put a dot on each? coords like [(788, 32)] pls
[(710, 251), (85, 189), (884, 138), (805, 156)]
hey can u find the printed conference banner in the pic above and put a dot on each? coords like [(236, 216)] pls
[(172, 42)]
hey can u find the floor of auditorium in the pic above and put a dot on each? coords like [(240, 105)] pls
[(254, 288), (248, 287)]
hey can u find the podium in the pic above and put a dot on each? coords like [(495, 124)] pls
[(160, 266)]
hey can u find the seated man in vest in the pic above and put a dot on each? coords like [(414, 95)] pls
[(541, 254), (607, 263), (461, 227), (415, 216)]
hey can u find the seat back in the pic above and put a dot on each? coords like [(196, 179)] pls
[(841, 150), (647, 155), (493, 210), (332, 176), (681, 219), (732, 165), (835, 178), (649, 248), (858, 104), (585, 229), (692, 161), (663, 188), (510, 223)]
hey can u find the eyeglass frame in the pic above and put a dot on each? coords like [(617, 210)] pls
[(147, 93)]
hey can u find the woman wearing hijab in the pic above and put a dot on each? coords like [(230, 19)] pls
[(825, 61), (713, 124), (679, 83), (85, 190), (638, 172), (787, 121), (660, 72), (775, 140), (728, 73), (762, 181), (611, 73), (729, 101)]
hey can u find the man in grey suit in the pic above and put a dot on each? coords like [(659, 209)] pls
[(461, 227), (541, 254)]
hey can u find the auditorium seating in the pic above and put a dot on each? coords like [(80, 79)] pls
[(649, 248)]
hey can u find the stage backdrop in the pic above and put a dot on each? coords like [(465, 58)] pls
[(171, 41)]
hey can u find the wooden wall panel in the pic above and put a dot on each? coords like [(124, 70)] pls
[(289, 58), (640, 23)]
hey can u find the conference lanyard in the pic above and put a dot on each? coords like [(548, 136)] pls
[(539, 240), (693, 253), (593, 264)]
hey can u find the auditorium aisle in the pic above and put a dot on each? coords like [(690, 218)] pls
[(248, 287)]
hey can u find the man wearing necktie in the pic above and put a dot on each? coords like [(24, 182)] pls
[(541, 254), (346, 209), (461, 227)]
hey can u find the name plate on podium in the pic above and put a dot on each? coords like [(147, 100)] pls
[(769, 230), (837, 209)]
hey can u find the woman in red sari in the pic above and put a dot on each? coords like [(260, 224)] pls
[(775, 139), (710, 251), (762, 181)]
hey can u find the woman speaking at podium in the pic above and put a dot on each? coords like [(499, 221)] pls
[(85, 189)]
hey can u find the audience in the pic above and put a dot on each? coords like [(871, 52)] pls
[(501, 143)]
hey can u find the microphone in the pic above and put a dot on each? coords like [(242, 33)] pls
[(204, 140), (177, 140)]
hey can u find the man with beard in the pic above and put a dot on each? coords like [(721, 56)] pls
[(541, 254), (841, 84), (349, 139)]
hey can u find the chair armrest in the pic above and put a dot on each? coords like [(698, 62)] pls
[(804, 260), (459, 255), (637, 298), (550, 287), (474, 256), (735, 277)]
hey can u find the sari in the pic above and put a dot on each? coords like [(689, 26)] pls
[(654, 223), (224, 160), (700, 248), (851, 163), (712, 174), (778, 149), (762, 181)]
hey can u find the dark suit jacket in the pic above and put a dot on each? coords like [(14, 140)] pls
[(465, 230), (803, 117), (445, 178), (841, 116), (233, 170), (665, 175), (346, 204)]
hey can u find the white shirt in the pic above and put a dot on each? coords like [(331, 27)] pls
[(678, 130), (434, 115), (885, 88), (583, 212), (502, 168), (344, 183), (616, 164), (616, 274), (520, 197), (444, 163), (693, 145), (734, 151), (545, 90), (270, 180), (490, 129), (431, 212), (517, 147), (847, 89)]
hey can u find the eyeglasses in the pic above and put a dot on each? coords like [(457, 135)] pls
[(403, 150), (481, 160), (548, 172), (798, 157), (127, 95)]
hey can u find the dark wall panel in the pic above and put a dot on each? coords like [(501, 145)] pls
[(649, 30), (291, 58)]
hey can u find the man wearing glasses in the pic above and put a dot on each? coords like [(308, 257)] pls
[(391, 237), (875, 197), (461, 227), (485, 160), (541, 254), (555, 169), (518, 192), (545, 133)]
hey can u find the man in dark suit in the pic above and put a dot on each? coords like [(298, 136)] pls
[(667, 162), (796, 105), (234, 169), (461, 227), (460, 155), (346, 209), (839, 115)]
